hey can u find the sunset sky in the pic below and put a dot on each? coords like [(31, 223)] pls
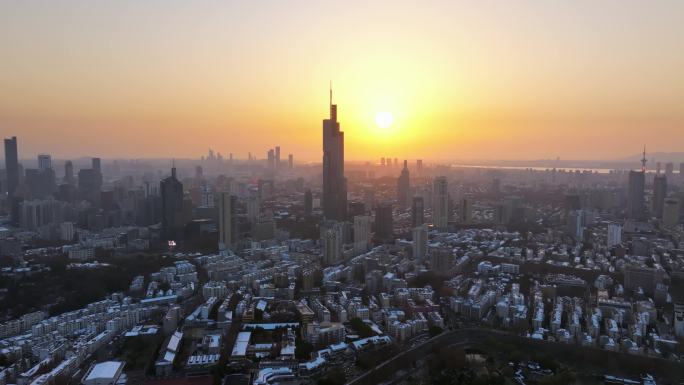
[(462, 79)]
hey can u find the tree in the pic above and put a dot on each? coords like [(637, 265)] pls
[(361, 327), (435, 331), (303, 350)]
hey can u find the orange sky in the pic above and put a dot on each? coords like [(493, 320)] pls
[(490, 79)]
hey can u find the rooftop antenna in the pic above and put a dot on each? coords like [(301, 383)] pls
[(643, 161)]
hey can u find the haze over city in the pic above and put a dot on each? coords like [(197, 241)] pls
[(462, 80), (341, 192)]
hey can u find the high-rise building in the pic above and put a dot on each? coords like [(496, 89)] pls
[(614, 237), (66, 231), (97, 165), (417, 211), (172, 207), (369, 198), (362, 233), (69, 172), (681, 170), (575, 224), (440, 203), (420, 241), (227, 205), (332, 244), (44, 162), (384, 222), (308, 202), (41, 212), (90, 183), (290, 161), (253, 210), (669, 170), (277, 157), (659, 194), (41, 183), (635, 195), (671, 209), (466, 211), (12, 165), (271, 159), (334, 181), (403, 187)]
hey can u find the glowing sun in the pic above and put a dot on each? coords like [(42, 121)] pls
[(384, 119)]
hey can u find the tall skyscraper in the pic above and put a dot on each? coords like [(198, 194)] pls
[(417, 211), (44, 162), (12, 165), (253, 210), (277, 157), (384, 222), (466, 211), (635, 192), (635, 195), (420, 240), (290, 161), (440, 203), (403, 187), (227, 204), (90, 182), (69, 172), (97, 165), (271, 159), (671, 209), (172, 207), (659, 194), (334, 182), (362, 233), (669, 170), (369, 198)]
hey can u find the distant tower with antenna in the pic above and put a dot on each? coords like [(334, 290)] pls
[(643, 161), (334, 182)]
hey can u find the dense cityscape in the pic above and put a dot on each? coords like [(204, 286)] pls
[(221, 270)]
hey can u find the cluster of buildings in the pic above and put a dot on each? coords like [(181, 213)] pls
[(276, 273)]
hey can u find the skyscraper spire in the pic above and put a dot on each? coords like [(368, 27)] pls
[(643, 161), (333, 107)]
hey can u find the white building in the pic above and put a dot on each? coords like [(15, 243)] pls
[(105, 373), (362, 231), (614, 235)]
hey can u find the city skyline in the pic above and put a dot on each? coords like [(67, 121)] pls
[(498, 199), (461, 81)]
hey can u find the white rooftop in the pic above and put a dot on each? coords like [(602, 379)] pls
[(108, 369)]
